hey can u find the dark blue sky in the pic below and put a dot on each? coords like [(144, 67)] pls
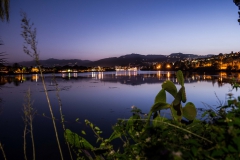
[(95, 29)]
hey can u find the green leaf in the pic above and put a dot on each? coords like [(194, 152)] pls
[(161, 96), (169, 87), (155, 114), (180, 78), (156, 121), (91, 125), (86, 121), (236, 140), (98, 140), (76, 140), (130, 123), (236, 121), (217, 153), (83, 132), (238, 104), (96, 128), (230, 102), (159, 106), (114, 135), (178, 98), (176, 112), (231, 149), (189, 111), (184, 97), (194, 150)]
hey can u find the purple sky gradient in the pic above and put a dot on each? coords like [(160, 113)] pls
[(96, 29)]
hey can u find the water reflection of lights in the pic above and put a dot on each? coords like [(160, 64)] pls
[(168, 75), (75, 75), (20, 77), (35, 77), (133, 72), (220, 79), (100, 75), (93, 74), (159, 74), (126, 73), (97, 75), (63, 75)]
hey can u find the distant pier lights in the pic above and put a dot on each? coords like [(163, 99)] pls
[(237, 2)]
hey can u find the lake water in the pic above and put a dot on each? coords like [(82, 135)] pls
[(100, 97)]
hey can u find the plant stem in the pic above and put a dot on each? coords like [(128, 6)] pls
[(51, 112), (1, 147), (24, 142), (28, 121), (61, 114), (31, 131)]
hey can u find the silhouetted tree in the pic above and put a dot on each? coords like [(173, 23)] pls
[(2, 59), (237, 3), (4, 10), (4, 15)]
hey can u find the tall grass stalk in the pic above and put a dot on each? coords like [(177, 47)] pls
[(29, 35), (29, 113), (24, 140), (1, 147), (61, 114)]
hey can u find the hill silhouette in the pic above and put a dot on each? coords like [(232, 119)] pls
[(125, 60)]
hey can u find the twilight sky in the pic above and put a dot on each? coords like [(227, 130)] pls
[(96, 29)]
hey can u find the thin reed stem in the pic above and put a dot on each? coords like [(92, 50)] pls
[(29, 113), (61, 114), (24, 142), (51, 112), (31, 131), (1, 147)]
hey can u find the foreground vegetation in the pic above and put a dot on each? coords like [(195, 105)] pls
[(156, 137)]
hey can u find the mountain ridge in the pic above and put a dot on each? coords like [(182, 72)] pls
[(124, 60)]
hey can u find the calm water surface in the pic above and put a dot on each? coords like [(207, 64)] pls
[(100, 97)]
